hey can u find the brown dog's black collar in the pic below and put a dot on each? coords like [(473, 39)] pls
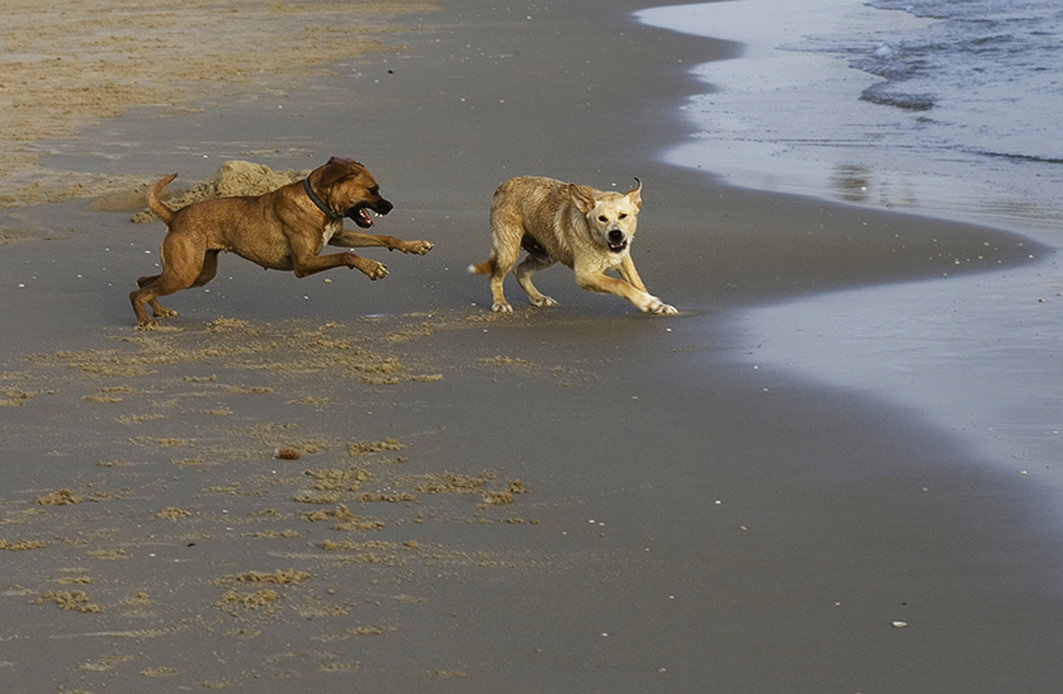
[(318, 202)]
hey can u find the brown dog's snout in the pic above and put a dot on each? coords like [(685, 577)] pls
[(383, 207)]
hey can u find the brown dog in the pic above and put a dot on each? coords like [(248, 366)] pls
[(281, 230), (586, 229)]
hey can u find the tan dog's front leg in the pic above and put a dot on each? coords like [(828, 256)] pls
[(628, 272), (597, 281), (356, 239)]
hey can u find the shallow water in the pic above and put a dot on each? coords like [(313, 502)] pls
[(977, 356), (948, 109)]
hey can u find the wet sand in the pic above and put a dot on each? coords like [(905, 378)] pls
[(580, 499)]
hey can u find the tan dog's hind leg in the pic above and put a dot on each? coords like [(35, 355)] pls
[(357, 239), (504, 260), (528, 267), (498, 295), (507, 230)]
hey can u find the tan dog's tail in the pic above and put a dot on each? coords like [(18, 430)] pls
[(162, 211), (485, 268)]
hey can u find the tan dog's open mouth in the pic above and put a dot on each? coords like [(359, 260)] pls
[(617, 241)]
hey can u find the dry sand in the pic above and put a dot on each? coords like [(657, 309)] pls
[(66, 68), (334, 483)]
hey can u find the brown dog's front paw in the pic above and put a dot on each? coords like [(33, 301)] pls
[(370, 268), (147, 325), (417, 247)]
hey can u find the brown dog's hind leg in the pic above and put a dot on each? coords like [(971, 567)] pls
[(157, 309), (209, 269), (184, 265)]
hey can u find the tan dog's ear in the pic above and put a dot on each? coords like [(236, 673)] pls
[(635, 194), (583, 203)]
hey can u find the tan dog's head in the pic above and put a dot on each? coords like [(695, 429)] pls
[(611, 217), (349, 190)]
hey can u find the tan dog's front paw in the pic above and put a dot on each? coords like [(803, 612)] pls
[(417, 247), (501, 307), (545, 302), (658, 307)]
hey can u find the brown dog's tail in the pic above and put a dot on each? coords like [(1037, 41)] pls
[(485, 268), (162, 211)]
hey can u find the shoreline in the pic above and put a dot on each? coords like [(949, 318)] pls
[(679, 518), (997, 393), (831, 143)]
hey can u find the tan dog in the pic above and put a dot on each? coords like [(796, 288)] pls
[(281, 230), (586, 229)]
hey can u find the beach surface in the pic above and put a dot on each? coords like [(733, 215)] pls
[(382, 486)]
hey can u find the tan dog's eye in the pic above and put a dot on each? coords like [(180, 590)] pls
[(623, 214), (602, 218)]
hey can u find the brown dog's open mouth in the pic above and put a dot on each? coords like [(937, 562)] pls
[(363, 214), (363, 217)]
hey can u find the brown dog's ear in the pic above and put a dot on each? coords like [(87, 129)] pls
[(343, 160), (335, 171), (635, 194), (583, 203)]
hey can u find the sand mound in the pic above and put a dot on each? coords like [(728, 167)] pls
[(233, 178)]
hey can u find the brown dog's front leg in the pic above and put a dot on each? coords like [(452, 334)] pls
[(306, 261), (356, 239), (317, 263), (370, 268)]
